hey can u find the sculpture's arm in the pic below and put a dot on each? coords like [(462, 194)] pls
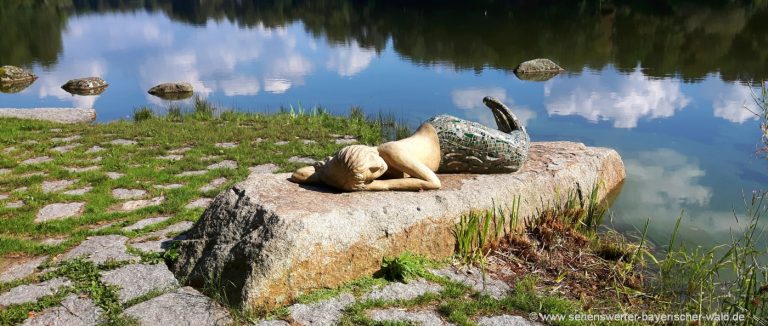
[(422, 177)]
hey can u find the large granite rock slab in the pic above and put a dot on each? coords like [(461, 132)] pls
[(270, 240), (73, 310), (61, 115)]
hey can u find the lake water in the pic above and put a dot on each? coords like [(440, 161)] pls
[(665, 85)]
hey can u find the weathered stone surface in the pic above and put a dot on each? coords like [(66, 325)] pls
[(424, 318), (5, 171), (139, 279), (226, 145), (171, 157), (3, 196), (172, 91), (199, 203), (64, 148), (169, 186), (15, 204), (138, 204), (403, 291), (302, 160), (82, 169), (85, 86), (145, 223), (183, 307), (322, 313), (473, 277), (13, 74), (58, 185), (73, 310), (66, 139), (159, 241), (123, 142), (191, 173), (36, 160), (121, 193), (347, 140), (538, 65), (227, 164), (114, 175), (94, 149), (59, 211), (264, 235), (213, 185), (100, 249), (264, 168), (273, 323), (32, 292), (180, 150), (21, 270), (281, 143), (505, 320), (78, 192)]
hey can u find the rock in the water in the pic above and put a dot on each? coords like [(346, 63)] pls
[(100, 249), (32, 292), (537, 70), (183, 307), (322, 313), (14, 79), (86, 86), (424, 318), (73, 310), (172, 91), (139, 279), (263, 237)]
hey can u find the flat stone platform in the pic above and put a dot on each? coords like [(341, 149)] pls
[(61, 115), (267, 240)]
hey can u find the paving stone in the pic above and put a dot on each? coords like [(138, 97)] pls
[(257, 140), (3, 196), (185, 306), (473, 278), (59, 211), (210, 157), (66, 139), (273, 323), (226, 145), (505, 320), (302, 160), (138, 204), (96, 159), (226, 164), (58, 185), (83, 169), (308, 142), (159, 241), (199, 203), (403, 291), (94, 149), (65, 148), (53, 241), (424, 318), (213, 185), (78, 192), (121, 193), (115, 175), (36, 160), (73, 310), (325, 312), (281, 143), (181, 150), (100, 249), (9, 150), (139, 279), (15, 204), (32, 292), (173, 229), (123, 142), (5, 171), (21, 270), (55, 130), (169, 186), (264, 168), (171, 157), (345, 140), (191, 173), (145, 223), (31, 175), (20, 190)]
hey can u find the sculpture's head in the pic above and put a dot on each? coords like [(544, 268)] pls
[(350, 169)]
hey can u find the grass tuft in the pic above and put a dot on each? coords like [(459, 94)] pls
[(142, 114), (404, 268)]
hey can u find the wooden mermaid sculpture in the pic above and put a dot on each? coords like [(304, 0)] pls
[(443, 144)]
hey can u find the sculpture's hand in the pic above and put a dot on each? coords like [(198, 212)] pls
[(397, 157)]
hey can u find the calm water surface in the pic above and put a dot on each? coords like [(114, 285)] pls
[(666, 86)]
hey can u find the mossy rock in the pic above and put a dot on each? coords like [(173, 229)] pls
[(85, 84), (13, 74), (538, 70)]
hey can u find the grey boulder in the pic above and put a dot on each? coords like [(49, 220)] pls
[(86, 86)]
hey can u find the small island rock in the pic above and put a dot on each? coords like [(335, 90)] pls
[(537, 70), (172, 91), (14, 79), (86, 86)]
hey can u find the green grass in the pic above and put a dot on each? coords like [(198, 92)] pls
[(199, 130)]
